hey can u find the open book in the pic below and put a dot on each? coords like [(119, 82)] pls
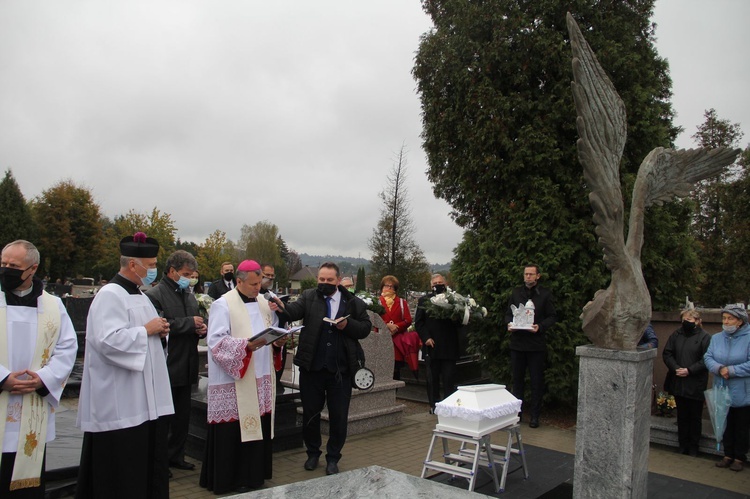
[(273, 333), (334, 321)]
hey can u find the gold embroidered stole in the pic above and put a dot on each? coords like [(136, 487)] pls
[(246, 388), (34, 410)]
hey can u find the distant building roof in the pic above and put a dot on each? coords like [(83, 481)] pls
[(305, 272)]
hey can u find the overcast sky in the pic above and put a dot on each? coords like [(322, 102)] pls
[(225, 113)]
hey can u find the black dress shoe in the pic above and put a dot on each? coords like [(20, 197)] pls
[(534, 423), (182, 465), (311, 463), (332, 468)]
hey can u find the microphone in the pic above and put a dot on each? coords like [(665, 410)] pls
[(268, 295)]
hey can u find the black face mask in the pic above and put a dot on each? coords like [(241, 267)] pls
[(326, 288), (688, 326), (229, 276), (439, 288), (10, 278)]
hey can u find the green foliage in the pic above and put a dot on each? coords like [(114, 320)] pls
[(156, 224), (16, 221), (499, 133), (188, 246), (70, 230), (215, 250), (715, 223), (361, 283), (260, 242), (308, 283)]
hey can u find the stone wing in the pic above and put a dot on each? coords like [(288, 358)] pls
[(602, 130), (667, 173)]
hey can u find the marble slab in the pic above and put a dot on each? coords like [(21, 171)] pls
[(373, 481)]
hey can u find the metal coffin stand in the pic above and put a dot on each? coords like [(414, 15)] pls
[(481, 456)]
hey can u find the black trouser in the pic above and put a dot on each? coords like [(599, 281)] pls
[(737, 435), (519, 361), (179, 423), (318, 388), (437, 369), (689, 422)]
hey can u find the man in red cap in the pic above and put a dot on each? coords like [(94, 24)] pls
[(241, 387), (125, 388)]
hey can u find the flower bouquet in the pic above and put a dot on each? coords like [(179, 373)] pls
[(372, 302), (204, 304), (454, 306), (665, 404)]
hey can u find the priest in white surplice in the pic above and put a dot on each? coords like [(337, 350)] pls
[(37, 351), (125, 391), (241, 388)]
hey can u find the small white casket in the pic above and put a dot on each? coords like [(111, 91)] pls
[(477, 410)]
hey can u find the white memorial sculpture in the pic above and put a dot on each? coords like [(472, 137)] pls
[(523, 316)]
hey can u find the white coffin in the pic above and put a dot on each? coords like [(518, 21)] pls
[(477, 410)]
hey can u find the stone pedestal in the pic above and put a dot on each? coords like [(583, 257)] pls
[(375, 408), (612, 433)]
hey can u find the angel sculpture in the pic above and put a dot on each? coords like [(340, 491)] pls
[(617, 316)]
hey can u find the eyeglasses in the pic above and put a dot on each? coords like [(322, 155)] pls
[(388, 286)]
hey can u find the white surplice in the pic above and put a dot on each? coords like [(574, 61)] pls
[(125, 378), (222, 398), (22, 337)]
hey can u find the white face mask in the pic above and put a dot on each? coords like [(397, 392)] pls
[(729, 329)]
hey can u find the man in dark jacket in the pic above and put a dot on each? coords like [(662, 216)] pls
[(224, 283), (528, 348), (687, 378), (327, 356), (178, 305), (440, 340)]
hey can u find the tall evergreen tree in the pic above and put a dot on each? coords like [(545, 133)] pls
[(394, 250), (16, 221), (361, 283), (499, 133), (717, 284)]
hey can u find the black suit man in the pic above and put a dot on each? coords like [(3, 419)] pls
[(327, 358), (440, 340), (529, 348), (224, 283), (178, 305)]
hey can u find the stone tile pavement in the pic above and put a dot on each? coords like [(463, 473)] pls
[(404, 447)]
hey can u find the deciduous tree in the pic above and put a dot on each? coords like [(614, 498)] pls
[(215, 250), (70, 229)]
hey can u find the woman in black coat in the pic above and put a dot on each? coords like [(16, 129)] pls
[(688, 377)]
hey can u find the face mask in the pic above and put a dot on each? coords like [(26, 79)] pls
[(150, 274), (193, 281), (11, 279), (351, 290), (183, 282), (150, 277), (688, 326), (439, 288), (266, 282), (229, 276), (326, 288), (729, 329)]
